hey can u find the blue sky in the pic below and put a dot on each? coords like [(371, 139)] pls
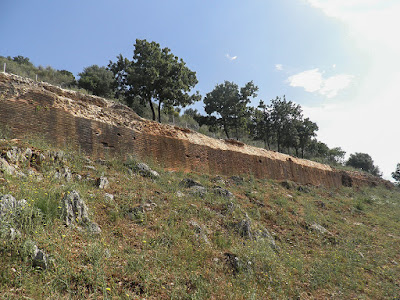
[(337, 58)]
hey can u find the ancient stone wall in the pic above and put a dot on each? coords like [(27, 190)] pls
[(101, 127)]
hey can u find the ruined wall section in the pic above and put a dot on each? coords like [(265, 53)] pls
[(101, 127)]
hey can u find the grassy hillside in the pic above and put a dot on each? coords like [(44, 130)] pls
[(161, 239)]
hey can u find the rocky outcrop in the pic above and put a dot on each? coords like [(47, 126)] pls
[(75, 213), (100, 127)]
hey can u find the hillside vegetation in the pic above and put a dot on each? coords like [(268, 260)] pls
[(170, 235)]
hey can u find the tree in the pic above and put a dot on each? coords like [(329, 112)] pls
[(284, 116), (226, 106), (97, 80), (22, 60), (364, 162), (261, 125), (336, 155), (396, 173), (154, 75), (306, 129)]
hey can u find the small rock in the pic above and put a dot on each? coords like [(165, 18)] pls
[(219, 191), (90, 168), (264, 234), (319, 228), (38, 256), (198, 191), (146, 171), (188, 183), (6, 168), (179, 194), (64, 173), (218, 179), (199, 231), (93, 228), (9, 233), (13, 155), (109, 197), (102, 182), (230, 207), (233, 262), (40, 260), (244, 228), (56, 156)]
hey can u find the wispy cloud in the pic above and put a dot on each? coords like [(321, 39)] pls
[(310, 80), (231, 58), (313, 81), (279, 67)]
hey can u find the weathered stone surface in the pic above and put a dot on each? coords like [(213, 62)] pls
[(219, 191), (244, 228), (75, 212), (319, 228), (64, 174), (16, 155), (109, 197), (56, 156), (146, 171), (9, 205), (188, 183), (199, 231), (233, 262), (6, 168), (100, 127), (198, 191), (266, 235), (102, 182), (9, 233), (179, 194), (38, 256)]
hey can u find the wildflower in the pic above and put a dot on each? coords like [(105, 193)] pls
[(108, 289)]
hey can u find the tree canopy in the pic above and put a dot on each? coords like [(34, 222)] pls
[(154, 75), (364, 162), (97, 80), (226, 106), (396, 173)]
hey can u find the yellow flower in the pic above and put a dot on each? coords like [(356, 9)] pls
[(108, 289)]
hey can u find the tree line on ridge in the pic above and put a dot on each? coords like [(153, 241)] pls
[(157, 84)]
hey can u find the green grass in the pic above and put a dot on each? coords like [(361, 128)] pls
[(159, 255)]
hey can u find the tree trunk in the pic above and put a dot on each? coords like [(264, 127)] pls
[(152, 109), (159, 111), (225, 130)]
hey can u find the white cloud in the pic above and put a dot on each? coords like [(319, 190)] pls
[(313, 81), (279, 67), (332, 85), (230, 57), (367, 122)]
